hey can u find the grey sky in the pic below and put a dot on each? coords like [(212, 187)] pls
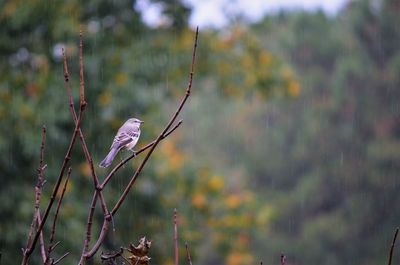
[(213, 13)]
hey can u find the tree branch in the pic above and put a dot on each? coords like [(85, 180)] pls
[(38, 187), (176, 238), (283, 259), (160, 136), (38, 194), (41, 241), (61, 258), (97, 192), (392, 246), (89, 223), (166, 131), (67, 157), (99, 241), (188, 253), (53, 229), (84, 146), (81, 77)]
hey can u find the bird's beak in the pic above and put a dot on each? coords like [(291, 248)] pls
[(141, 122)]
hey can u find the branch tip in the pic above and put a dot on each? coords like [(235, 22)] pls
[(392, 246)]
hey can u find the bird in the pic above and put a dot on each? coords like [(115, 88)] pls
[(126, 137)]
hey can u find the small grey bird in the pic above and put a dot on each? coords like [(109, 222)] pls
[(127, 137)]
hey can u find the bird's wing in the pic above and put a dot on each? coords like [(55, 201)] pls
[(124, 137)]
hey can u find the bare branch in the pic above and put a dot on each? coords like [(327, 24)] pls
[(39, 186), (67, 157), (88, 157), (53, 247), (283, 259), (41, 242), (188, 254), (38, 193), (113, 255), (100, 240), (160, 136), (176, 238), (89, 223), (392, 246), (81, 136), (61, 258), (81, 78), (53, 229)]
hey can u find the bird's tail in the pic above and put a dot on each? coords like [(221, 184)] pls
[(109, 158)]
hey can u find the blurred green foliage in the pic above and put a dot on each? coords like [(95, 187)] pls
[(290, 139)]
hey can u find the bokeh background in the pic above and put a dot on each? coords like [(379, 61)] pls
[(290, 141)]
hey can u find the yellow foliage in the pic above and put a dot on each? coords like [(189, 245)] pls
[(251, 79), (25, 111), (265, 58), (224, 67), (9, 8), (5, 95), (233, 201), (239, 258), (294, 88), (264, 215), (84, 168), (187, 39), (286, 73), (248, 196), (174, 156), (199, 200), (221, 45), (121, 78), (247, 62), (168, 261), (216, 183), (203, 172), (105, 98)]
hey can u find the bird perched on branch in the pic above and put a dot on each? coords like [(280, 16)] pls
[(126, 137)]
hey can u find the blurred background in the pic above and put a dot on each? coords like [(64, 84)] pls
[(290, 141)]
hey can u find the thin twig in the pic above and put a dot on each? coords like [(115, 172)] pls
[(283, 259), (67, 157), (53, 229), (41, 242), (392, 246), (106, 221), (85, 151), (81, 78), (123, 162), (38, 193), (81, 136), (160, 136), (90, 222), (61, 258), (176, 238), (53, 247), (38, 187), (97, 193), (188, 253), (96, 246)]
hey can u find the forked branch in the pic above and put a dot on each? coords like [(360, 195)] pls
[(165, 132), (392, 246)]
